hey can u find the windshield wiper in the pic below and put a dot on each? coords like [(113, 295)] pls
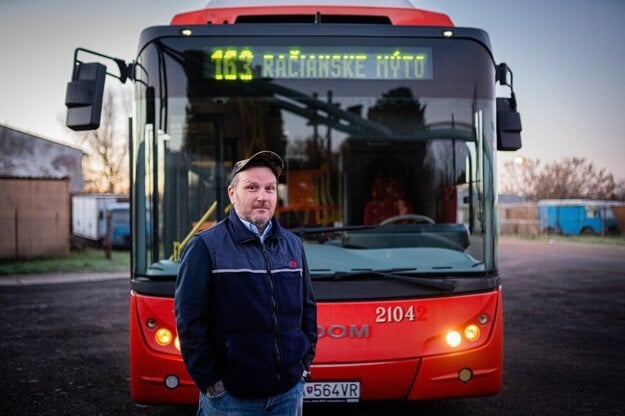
[(321, 230), (392, 274)]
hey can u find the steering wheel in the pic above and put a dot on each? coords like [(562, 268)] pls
[(409, 217)]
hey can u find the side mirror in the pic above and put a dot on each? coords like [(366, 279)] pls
[(83, 97), (508, 118), (508, 125)]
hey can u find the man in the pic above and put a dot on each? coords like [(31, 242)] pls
[(245, 311)]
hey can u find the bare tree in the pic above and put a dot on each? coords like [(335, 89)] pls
[(519, 177), (106, 149), (620, 190), (571, 177)]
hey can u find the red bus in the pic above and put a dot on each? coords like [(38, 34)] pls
[(388, 121)]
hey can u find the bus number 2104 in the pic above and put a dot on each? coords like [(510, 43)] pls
[(399, 314)]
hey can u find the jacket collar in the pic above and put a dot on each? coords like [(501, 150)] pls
[(243, 234)]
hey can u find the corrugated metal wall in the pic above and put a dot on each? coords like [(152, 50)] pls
[(34, 218)]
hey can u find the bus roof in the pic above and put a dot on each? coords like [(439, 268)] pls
[(577, 202), (221, 4), (393, 12)]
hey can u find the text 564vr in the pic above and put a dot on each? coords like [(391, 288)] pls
[(319, 391)]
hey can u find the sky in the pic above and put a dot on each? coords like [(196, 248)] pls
[(567, 56)]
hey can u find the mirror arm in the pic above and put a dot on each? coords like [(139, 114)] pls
[(502, 77), (126, 71)]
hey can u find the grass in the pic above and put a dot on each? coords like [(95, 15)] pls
[(88, 260), (612, 240)]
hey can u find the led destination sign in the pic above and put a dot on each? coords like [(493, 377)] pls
[(248, 63)]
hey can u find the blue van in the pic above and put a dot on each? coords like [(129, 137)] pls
[(120, 223), (577, 216)]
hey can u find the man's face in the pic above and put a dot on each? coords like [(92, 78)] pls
[(254, 195)]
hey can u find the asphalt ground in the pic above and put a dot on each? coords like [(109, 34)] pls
[(64, 343)]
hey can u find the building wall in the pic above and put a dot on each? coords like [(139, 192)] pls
[(34, 218), (23, 155)]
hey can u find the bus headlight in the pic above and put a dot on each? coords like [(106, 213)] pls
[(453, 339), (472, 332), (163, 336)]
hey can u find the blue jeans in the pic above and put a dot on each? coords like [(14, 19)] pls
[(285, 404)]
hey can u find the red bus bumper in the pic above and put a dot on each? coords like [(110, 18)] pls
[(158, 375)]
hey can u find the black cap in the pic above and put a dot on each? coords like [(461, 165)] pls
[(263, 158)]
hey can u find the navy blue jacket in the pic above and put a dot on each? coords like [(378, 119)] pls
[(245, 311)]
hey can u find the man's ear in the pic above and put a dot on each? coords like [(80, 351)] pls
[(231, 194)]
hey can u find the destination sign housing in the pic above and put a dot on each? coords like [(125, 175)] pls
[(381, 63)]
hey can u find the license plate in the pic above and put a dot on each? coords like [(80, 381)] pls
[(319, 391)]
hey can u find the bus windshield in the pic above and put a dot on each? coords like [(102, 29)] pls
[(387, 145)]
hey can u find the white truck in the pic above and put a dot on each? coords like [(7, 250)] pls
[(89, 212)]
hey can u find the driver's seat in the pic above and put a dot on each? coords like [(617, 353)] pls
[(388, 201)]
